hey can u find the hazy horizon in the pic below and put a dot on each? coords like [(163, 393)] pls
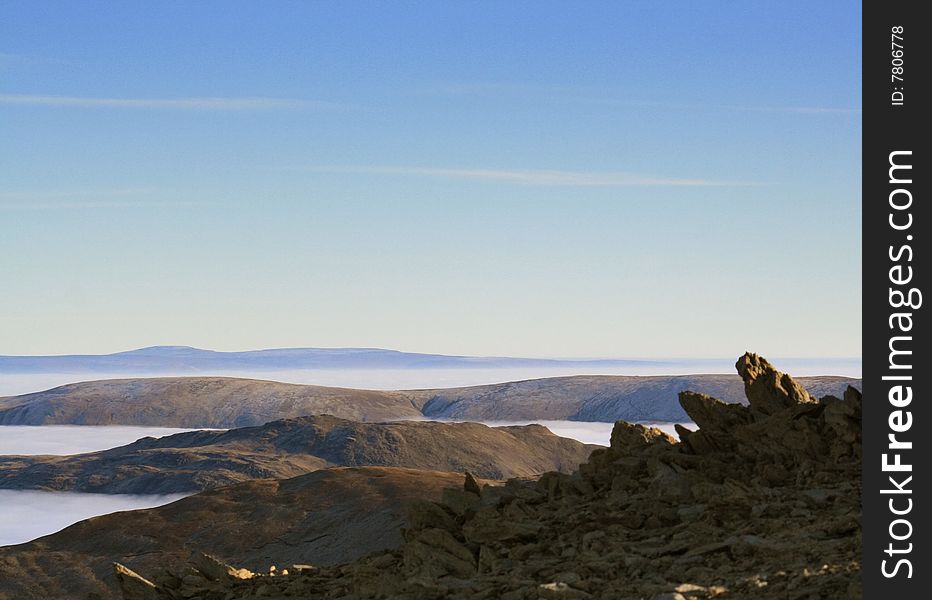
[(240, 349)]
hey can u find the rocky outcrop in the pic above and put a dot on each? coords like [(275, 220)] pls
[(761, 501), (768, 390), (198, 460)]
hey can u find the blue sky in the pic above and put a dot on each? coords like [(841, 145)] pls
[(544, 179)]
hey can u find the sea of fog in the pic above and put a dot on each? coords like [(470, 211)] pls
[(587, 432), (26, 515), (73, 439), (77, 439)]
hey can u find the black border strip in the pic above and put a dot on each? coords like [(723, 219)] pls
[(895, 271)]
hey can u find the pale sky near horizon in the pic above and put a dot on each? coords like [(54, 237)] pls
[(636, 179)]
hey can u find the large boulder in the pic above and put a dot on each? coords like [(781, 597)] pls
[(767, 389)]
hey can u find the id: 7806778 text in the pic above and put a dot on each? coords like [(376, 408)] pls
[(897, 47)]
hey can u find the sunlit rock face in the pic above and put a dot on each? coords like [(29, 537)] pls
[(762, 501)]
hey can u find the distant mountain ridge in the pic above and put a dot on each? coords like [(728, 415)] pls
[(223, 402), (185, 359)]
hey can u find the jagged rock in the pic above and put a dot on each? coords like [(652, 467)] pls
[(767, 389), (559, 589), (460, 502), (215, 570), (717, 422), (134, 586), (498, 528), (713, 415), (496, 495), (682, 431), (424, 514), (471, 485), (436, 553), (626, 436), (553, 483)]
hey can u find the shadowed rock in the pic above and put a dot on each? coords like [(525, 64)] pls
[(327, 517), (134, 586)]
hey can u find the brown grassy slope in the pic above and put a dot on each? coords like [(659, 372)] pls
[(605, 398), (196, 402), (327, 517)]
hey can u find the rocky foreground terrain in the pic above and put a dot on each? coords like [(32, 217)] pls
[(224, 402), (198, 460), (762, 501), (330, 517)]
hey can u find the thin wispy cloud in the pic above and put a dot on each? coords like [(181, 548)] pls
[(528, 177), (196, 103)]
